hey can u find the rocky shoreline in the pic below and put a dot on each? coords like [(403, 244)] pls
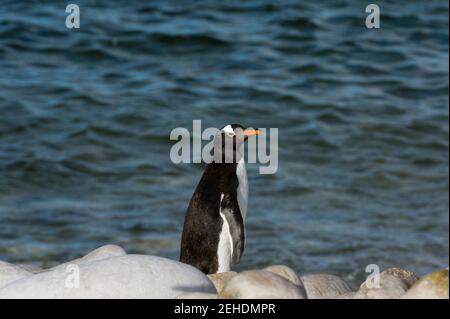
[(109, 272)]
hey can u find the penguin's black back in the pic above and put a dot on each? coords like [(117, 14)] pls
[(203, 223)]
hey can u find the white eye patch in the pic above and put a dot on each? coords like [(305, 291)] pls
[(228, 129)]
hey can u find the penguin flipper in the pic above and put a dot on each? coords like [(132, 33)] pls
[(229, 207)]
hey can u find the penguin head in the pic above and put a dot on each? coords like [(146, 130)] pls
[(229, 141)]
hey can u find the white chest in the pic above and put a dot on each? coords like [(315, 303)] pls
[(225, 247), (242, 191)]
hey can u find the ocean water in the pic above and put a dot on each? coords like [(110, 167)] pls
[(363, 119)]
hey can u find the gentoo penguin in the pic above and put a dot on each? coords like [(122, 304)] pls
[(214, 233)]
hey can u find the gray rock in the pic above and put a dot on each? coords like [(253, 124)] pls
[(129, 276), (261, 284), (31, 268), (219, 280), (197, 295), (408, 276), (390, 287), (431, 286), (285, 272), (321, 286), (347, 295), (393, 283)]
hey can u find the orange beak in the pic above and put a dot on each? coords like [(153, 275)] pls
[(251, 132)]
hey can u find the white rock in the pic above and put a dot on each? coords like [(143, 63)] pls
[(100, 253), (261, 284), (129, 276), (322, 286), (10, 273)]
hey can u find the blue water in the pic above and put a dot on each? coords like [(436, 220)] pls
[(85, 117)]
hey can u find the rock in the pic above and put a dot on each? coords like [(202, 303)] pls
[(30, 268), (219, 280), (129, 276), (394, 282), (100, 253), (347, 295), (285, 272), (197, 295), (321, 286), (261, 284), (408, 276), (10, 273), (431, 286), (15, 272), (390, 287)]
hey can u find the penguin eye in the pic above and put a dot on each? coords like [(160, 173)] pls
[(230, 134)]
